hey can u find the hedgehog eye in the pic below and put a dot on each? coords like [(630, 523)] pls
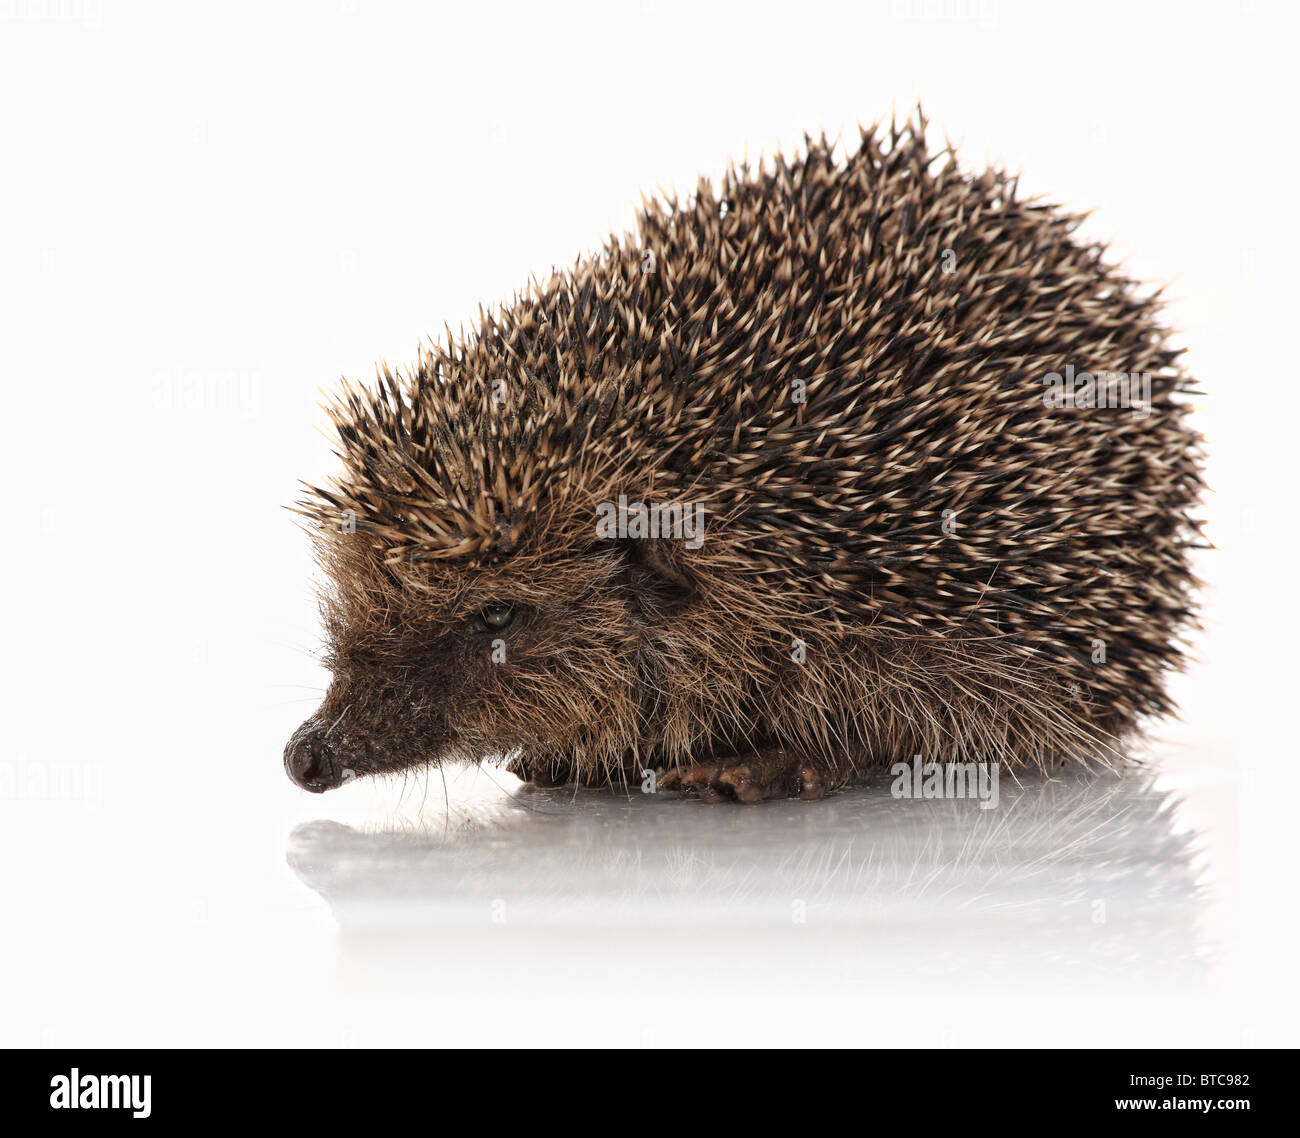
[(495, 617)]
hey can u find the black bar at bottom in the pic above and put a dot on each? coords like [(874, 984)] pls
[(157, 1087)]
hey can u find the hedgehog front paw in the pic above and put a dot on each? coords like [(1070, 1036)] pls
[(557, 771), (770, 773), (548, 774)]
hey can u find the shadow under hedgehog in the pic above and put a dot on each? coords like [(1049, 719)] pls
[(859, 459)]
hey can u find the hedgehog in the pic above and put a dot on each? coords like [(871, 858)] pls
[(858, 456)]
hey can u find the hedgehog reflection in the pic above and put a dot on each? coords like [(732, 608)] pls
[(1088, 870)]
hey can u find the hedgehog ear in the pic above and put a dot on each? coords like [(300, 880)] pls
[(658, 581)]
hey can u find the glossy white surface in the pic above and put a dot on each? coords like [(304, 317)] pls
[(1083, 873), (1082, 907)]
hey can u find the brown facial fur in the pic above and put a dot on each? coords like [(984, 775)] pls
[(477, 479)]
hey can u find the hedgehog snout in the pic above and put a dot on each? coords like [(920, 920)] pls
[(314, 760)]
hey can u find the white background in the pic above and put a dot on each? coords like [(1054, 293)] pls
[(208, 217)]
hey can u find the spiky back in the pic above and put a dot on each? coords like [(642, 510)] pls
[(916, 309)]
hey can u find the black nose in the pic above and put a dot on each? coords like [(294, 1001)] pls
[(310, 760)]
